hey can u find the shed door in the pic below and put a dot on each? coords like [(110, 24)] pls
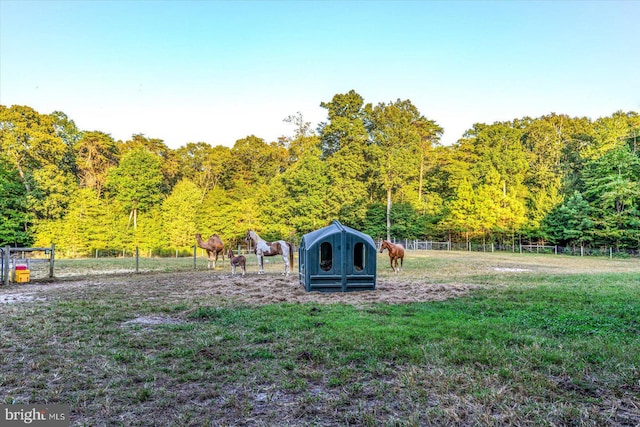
[(326, 256), (359, 256)]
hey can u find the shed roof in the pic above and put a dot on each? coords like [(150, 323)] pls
[(334, 228)]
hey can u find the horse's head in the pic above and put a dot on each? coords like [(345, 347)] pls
[(384, 245), (248, 237)]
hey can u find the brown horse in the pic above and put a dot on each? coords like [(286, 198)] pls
[(395, 252), (213, 246), (263, 248), (237, 261)]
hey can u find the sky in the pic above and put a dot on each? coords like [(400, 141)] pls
[(218, 71)]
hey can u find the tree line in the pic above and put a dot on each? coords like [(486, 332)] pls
[(555, 179)]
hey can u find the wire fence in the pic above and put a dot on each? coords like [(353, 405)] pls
[(40, 261), (25, 260), (422, 245)]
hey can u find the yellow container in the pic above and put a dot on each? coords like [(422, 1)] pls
[(22, 276)]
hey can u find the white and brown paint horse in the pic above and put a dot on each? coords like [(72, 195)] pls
[(237, 261), (263, 248), (396, 252)]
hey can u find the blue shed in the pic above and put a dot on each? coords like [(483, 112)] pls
[(337, 258)]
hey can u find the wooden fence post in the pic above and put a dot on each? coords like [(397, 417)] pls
[(52, 260), (5, 269)]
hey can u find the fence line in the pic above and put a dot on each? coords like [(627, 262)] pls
[(9, 262), (418, 245), (10, 257)]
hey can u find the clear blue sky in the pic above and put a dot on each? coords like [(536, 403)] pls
[(217, 71)]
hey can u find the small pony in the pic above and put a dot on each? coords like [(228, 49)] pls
[(236, 261), (395, 252)]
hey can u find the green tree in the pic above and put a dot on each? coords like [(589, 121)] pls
[(543, 143), (462, 211), (96, 153), (29, 141), (33, 143), (297, 197), (68, 132), (207, 166), (305, 141), (53, 193), (84, 228), (396, 146), (223, 214), (430, 133), (345, 148), (612, 185), (611, 132), (136, 182), (180, 214), (169, 164), (569, 224), (152, 236), (254, 162), (346, 125), (374, 223), (404, 219), (491, 160), (14, 216)]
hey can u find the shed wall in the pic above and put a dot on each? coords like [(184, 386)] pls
[(352, 265)]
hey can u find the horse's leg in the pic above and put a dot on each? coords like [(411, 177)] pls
[(391, 262), (260, 266), (208, 260), (233, 270), (243, 269), (215, 261), (401, 262), (285, 259)]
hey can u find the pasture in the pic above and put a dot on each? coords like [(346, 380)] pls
[(456, 338)]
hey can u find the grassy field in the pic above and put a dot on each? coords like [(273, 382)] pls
[(539, 340)]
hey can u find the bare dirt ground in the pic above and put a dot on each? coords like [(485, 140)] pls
[(252, 289)]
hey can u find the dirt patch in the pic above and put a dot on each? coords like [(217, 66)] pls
[(270, 290), (252, 289), (19, 297), (511, 269), (153, 320)]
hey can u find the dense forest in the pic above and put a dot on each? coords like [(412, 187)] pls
[(555, 179)]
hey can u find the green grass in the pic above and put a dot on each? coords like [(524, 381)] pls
[(528, 349)]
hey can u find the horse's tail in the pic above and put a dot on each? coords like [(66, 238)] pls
[(290, 254)]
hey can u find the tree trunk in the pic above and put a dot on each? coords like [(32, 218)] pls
[(27, 187), (421, 179), (389, 214)]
